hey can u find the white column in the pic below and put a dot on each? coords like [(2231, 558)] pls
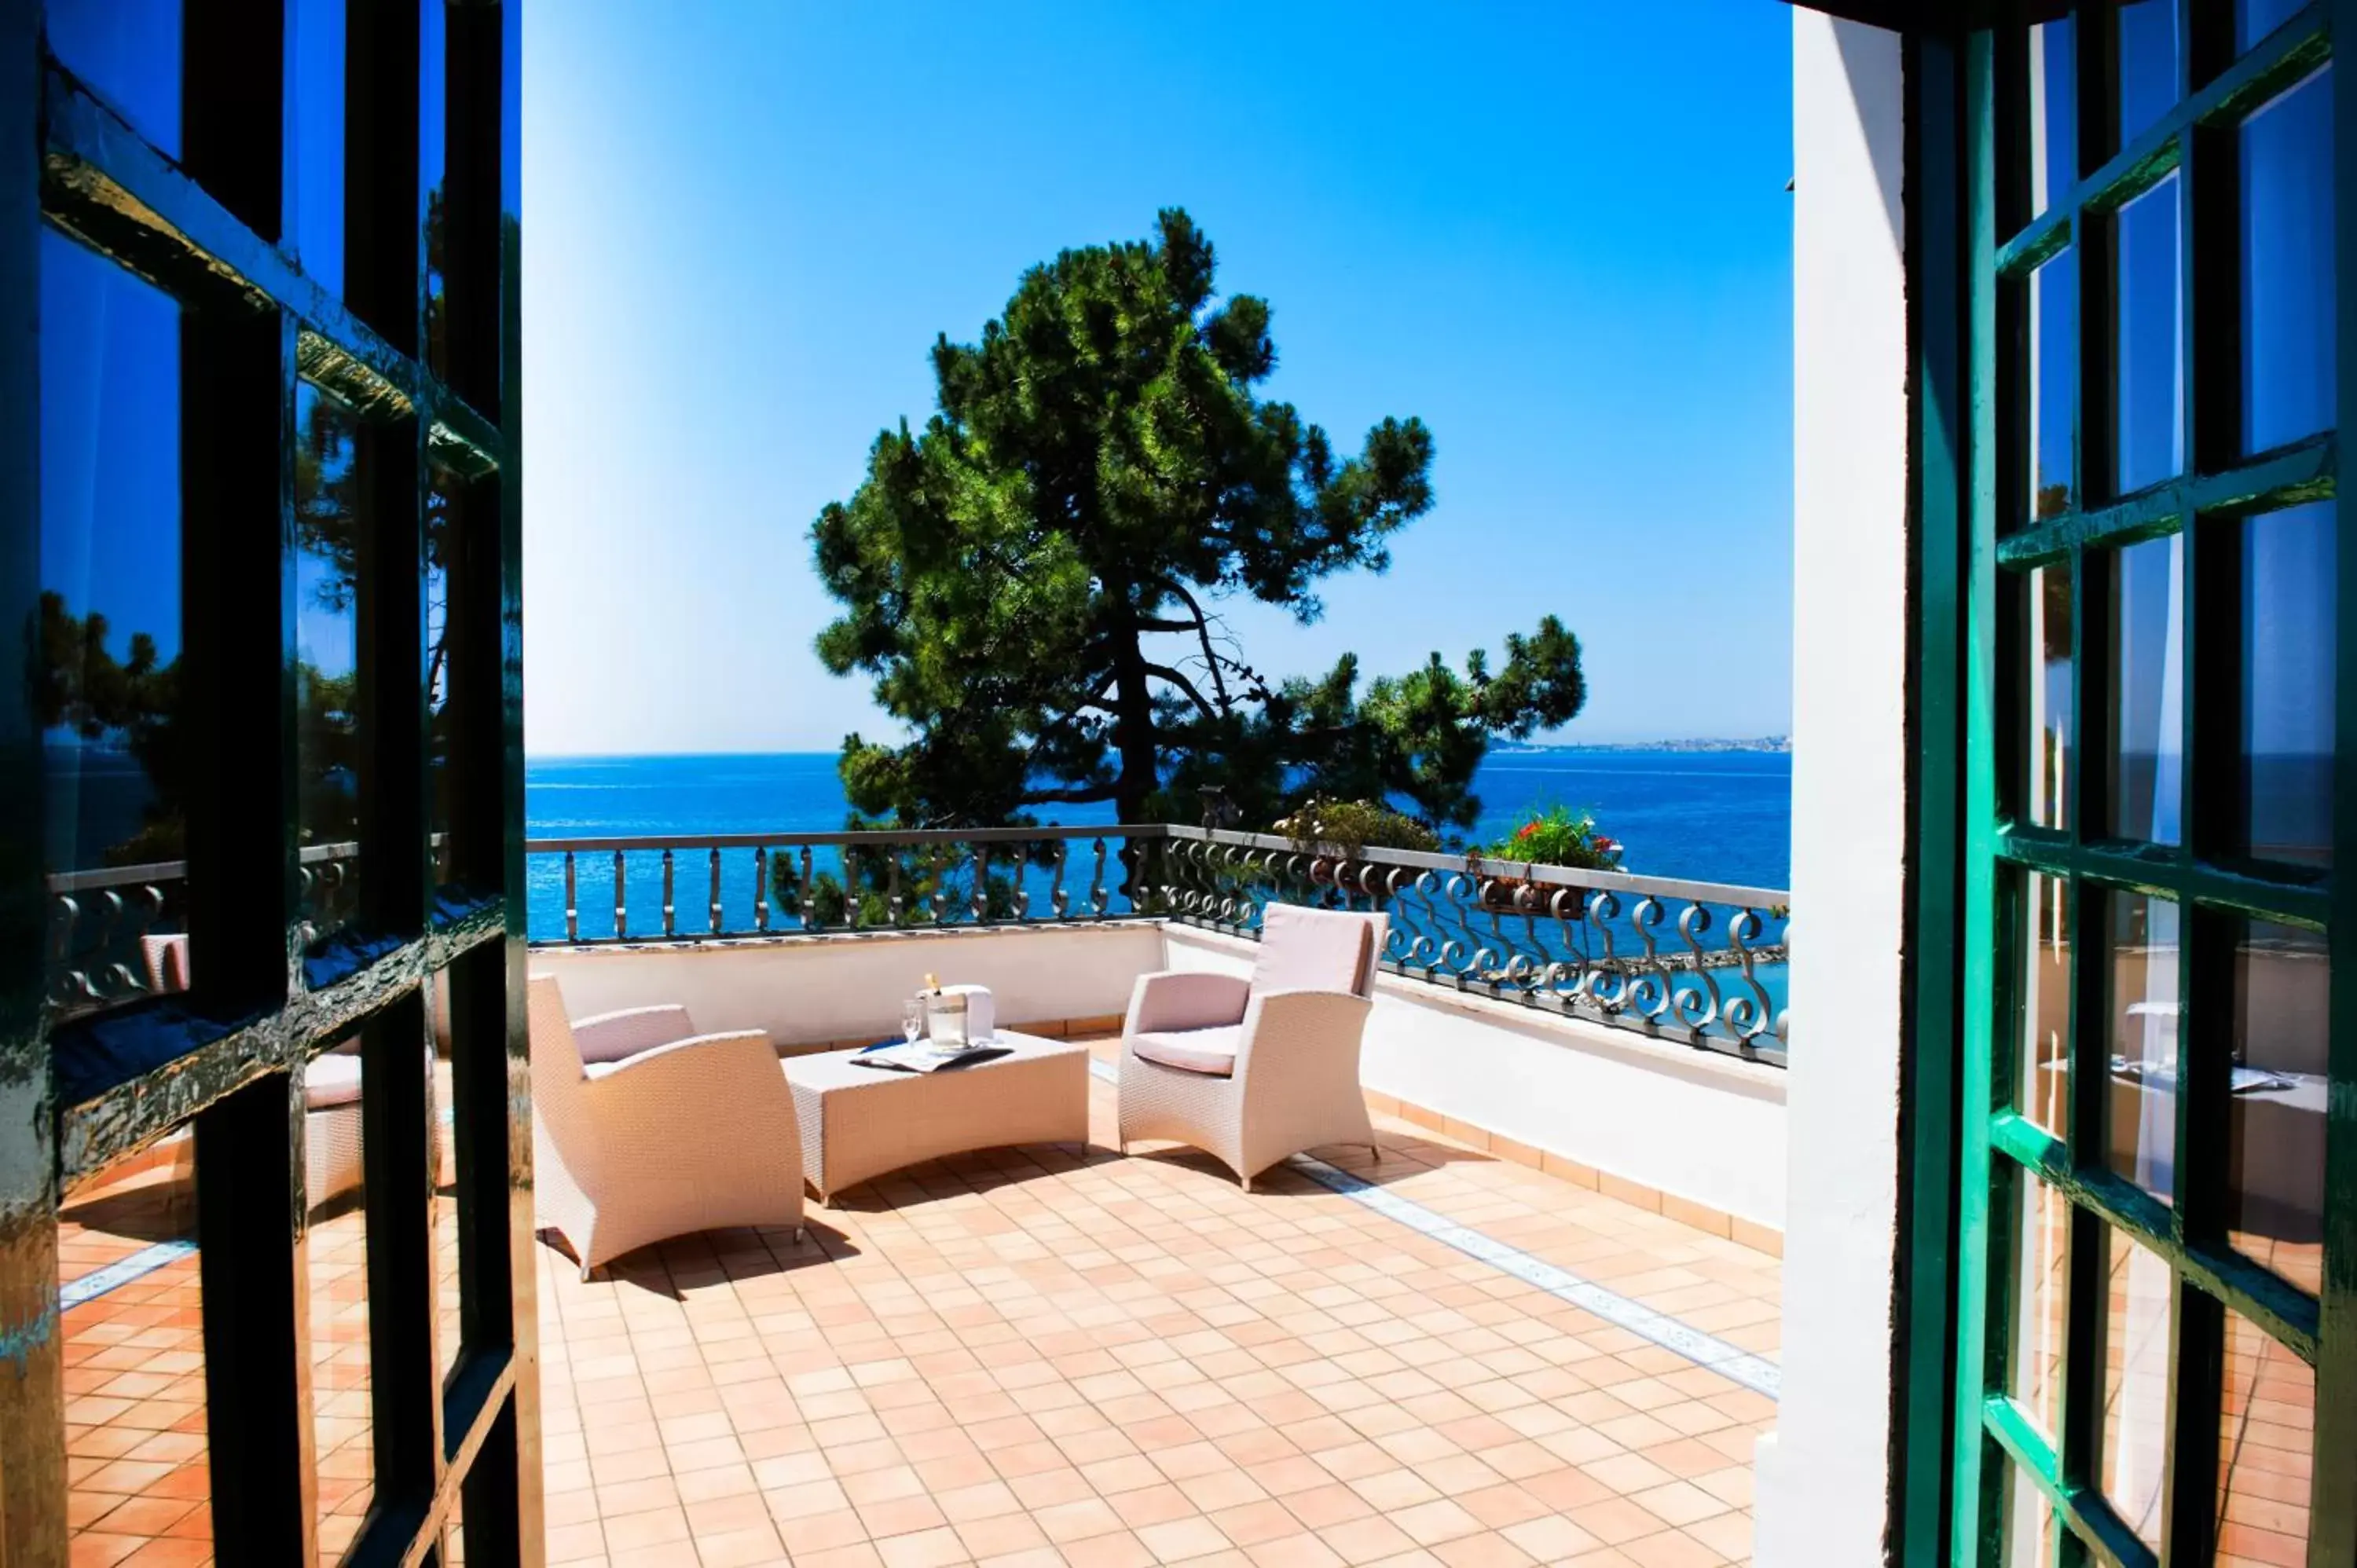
[(1824, 1485)]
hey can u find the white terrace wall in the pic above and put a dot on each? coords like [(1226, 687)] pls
[(1688, 1123), (809, 992)]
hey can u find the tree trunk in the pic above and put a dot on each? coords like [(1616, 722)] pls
[(1133, 728)]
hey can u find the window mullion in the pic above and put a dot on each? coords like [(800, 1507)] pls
[(32, 1439), (2334, 1501)]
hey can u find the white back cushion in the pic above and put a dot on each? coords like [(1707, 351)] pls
[(1314, 950)]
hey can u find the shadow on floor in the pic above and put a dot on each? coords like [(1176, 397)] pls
[(154, 1211), (734, 1254)]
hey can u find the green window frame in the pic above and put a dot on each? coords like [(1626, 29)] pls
[(418, 341), (2030, 906)]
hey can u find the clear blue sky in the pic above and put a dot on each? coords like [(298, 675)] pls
[(1558, 232)]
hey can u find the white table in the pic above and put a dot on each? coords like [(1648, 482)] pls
[(861, 1122)]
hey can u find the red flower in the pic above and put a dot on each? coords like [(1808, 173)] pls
[(1526, 829)]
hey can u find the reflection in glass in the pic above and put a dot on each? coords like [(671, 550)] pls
[(447, 1278), (2053, 774), (443, 497), (2276, 1140), (2045, 1013), (2147, 756), (2029, 1521), (341, 1412), (2287, 279), (433, 127), (2266, 1437), (2136, 1383), (2041, 1231), (134, 1358), (314, 87), (2053, 385), (2148, 340), (2254, 19), (127, 52), (106, 692), (2147, 75), (2144, 1040), (2285, 810), (326, 658), (2053, 100)]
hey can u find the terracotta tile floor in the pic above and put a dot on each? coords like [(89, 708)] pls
[(1053, 1356)]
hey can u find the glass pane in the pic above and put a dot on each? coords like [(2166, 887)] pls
[(2053, 111), (2266, 1435), (433, 127), (315, 86), (445, 496), (2136, 1383), (2042, 1234), (2045, 1012), (2054, 386), (327, 659), (2254, 19), (2285, 811), (134, 1362), (110, 627), (341, 1413), (2053, 772), (2288, 281), (2276, 1166), (2148, 341), (2147, 64), (446, 1187), (2147, 756), (2144, 1040), (128, 53), (2029, 1518)]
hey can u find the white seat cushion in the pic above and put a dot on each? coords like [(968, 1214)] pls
[(331, 1080), (1211, 1051), (1313, 950)]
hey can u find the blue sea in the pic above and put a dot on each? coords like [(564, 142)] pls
[(1701, 816), (1698, 816)]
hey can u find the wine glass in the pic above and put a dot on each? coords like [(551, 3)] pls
[(912, 1020)]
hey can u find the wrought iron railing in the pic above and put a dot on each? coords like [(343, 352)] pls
[(737, 884), (1698, 963), (101, 920)]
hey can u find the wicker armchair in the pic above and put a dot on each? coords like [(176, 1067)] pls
[(1252, 1071), (332, 1164), (644, 1130)]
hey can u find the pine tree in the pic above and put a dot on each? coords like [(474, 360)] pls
[(1032, 580)]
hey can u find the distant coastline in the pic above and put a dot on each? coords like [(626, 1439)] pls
[(1771, 743)]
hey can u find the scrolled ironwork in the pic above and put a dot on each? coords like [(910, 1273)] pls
[(1584, 942), (1587, 943)]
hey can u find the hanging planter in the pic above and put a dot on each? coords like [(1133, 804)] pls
[(1557, 835)]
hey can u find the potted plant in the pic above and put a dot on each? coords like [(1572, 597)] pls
[(1335, 833), (1552, 835)]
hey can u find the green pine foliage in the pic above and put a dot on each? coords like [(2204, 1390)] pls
[(1031, 581)]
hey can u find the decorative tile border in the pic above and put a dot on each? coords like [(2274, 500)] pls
[(122, 1272), (1730, 1361), (1653, 1200)]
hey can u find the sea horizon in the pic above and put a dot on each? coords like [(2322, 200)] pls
[(1715, 816)]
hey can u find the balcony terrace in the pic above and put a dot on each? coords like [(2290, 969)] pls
[(1542, 1327)]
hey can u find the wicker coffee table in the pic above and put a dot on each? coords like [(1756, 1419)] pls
[(860, 1122)]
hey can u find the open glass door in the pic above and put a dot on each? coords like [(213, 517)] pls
[(265, 1250), (2158, 1063)]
